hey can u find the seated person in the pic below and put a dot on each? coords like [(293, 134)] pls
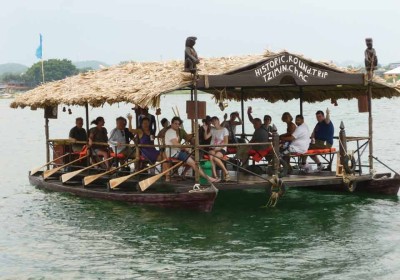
[(172, 138), (78, 133), (144, 113), (267, 121), (165, 126), (119, 137), (202, 132), (99, 134), (260, 135), (231, 126), (183, 135), (219, 136), (291, 127), (267, 125), (145, 137), (299, 140), (321, 137)]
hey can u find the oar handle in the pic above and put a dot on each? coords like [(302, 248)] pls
[(50, 172), (33, 171), (89, 179), (117, 181)]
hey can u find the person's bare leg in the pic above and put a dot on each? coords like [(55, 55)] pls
[(192, 164), (185, 170), (315, 159), (165, 166), (220, 163), (105, 156), (213, 167)]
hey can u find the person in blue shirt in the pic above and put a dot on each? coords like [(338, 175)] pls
[(322, 136)]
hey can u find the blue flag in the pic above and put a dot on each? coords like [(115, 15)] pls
[(39, 49)]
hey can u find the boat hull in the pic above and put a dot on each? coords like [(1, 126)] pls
[(180, 198)]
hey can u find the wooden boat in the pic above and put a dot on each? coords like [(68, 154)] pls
[(271, 77), (160, 194)]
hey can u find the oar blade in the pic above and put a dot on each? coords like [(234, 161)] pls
[(68, 176), (144, 184), (89, 179), (34, 171), (48, 173), (118, 181)]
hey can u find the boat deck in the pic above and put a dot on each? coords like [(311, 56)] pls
[(246, 181)]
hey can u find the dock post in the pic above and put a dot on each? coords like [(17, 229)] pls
[(275, 149)]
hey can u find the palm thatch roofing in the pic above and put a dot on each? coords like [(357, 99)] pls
[(143, 83)]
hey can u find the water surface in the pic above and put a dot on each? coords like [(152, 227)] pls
[(309, 235)]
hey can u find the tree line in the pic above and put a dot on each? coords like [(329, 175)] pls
[(54, 70)]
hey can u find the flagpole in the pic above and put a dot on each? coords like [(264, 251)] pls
[(39, 54), (42, 70)]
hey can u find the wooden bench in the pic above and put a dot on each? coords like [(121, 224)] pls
[(327, 155)]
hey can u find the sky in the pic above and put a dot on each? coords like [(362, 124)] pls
[(149, 30)]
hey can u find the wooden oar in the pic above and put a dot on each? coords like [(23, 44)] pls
[(144, 184), (67, 176), (89, 179), (34, 171), (117, 181), (50, 172)]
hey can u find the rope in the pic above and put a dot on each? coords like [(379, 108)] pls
[(275, 153), (341, 144), (277, 190)]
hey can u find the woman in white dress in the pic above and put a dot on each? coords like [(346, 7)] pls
[(219, 136)]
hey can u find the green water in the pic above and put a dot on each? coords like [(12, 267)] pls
[(309, 235)]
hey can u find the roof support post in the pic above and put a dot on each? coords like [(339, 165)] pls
[(301, 100), (46, 132), (370, 123), (87, 127), (87, 117), (196, 128), (242, 112)]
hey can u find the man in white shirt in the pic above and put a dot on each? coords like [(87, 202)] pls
[(172, 138), (300, 139)]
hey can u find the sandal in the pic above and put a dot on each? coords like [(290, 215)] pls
[(214, 180), (227, 177)]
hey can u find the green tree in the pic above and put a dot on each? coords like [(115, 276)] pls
[(12, 77), (54, 69)]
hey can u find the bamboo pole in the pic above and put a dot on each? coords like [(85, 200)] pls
[(196, 129), (46, 132), (370, 122)]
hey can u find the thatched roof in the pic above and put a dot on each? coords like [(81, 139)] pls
[(143, 83)]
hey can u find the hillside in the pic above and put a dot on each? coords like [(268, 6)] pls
[(94, 64), (14, 68)]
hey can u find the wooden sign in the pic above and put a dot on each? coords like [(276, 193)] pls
[(50, 112), (283, 69)]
